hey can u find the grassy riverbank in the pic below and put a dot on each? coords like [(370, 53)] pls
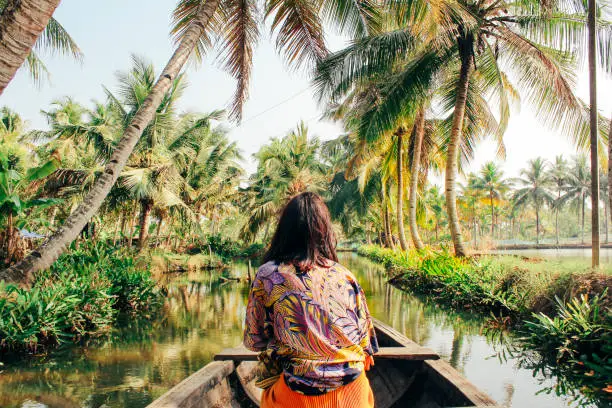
[(82, 295), (78, 298), (563, 312)]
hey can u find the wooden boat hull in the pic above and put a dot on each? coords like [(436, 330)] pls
[(396, 383)]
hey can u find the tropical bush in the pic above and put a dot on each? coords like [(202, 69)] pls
[(578, 342), (79, 297), (228, 249)]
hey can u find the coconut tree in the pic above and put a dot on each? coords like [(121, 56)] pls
[(558, 174), (534, 185), (472, 196), (286, 166), (492, 182), (299, 35), (477, 39), (604, 192), (434, 206), (418, 134), (578, 188), (21, 24), (19, 174)]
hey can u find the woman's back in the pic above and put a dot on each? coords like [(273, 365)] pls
[(308, 317), (314, 326)]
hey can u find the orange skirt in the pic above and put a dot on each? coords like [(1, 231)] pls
[(357, 394)]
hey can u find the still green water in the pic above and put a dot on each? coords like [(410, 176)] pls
[(203, 315)]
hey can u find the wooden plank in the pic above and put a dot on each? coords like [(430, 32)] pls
[(410, 352), (240, 353), (207, 387), (441, 370)]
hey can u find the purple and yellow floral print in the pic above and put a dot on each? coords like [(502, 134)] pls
[(314, 327)]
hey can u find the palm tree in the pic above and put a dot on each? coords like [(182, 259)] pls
[(434, 204), (594, 139), (21, 24), (558, 174), (535, 183), (472, 195), (299, 33), (286, 166), (19, 173), (604, 192), (578, 188), (492, 182), (465, 35), (418, 135)]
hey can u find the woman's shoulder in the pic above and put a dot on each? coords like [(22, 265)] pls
[(338, 267), (267, 269)]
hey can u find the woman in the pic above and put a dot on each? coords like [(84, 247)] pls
[(308, 317)]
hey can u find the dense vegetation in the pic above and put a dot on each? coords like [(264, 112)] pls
[(79, 298)]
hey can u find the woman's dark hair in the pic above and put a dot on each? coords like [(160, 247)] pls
[(304, 236)]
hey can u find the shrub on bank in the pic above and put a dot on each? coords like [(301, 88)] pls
[(79, 297), (228, 249), (507, 286)]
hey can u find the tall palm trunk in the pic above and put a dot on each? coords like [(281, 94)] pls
[(610, 171), (537, 208), (454, 146), (159, 227), (117, 228), (124, 218), (390, 240), (53, 247), (145, 215), (21, 23), (132, 227), (492, 215), (557, 217), (419, 132), (595, 237), (167, 244), (583, 211), (605, 204), (400, 189)]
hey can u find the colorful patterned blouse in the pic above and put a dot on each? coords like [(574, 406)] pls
[(314, 326)]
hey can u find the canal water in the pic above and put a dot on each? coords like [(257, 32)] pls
[(203, 315)]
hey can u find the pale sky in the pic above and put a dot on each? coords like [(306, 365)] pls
[(109, 32)]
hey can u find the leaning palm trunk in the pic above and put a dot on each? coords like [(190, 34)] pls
[(21, 23), (595, 236), (419, 131), (400, 190), (453, 156), (52, 248)]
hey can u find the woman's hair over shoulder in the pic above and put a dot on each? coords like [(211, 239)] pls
[(304, 236)]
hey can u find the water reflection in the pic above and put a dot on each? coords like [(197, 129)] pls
[(203, 315)]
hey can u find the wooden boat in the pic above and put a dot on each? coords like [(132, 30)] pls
[(404, 375)]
